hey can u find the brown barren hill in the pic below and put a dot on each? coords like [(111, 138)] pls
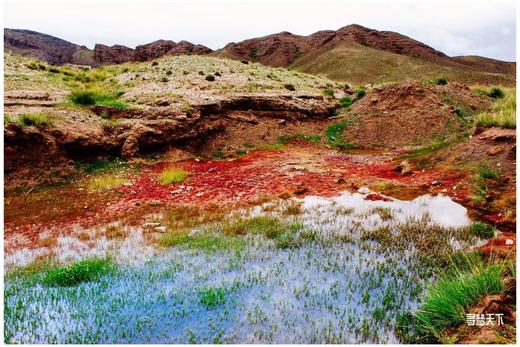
[(360, 55)]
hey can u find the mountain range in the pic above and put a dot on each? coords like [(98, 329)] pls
[(352, 53)]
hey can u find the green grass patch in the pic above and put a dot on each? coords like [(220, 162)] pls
[(284, 139), (328, 92), (102, 165), (91, 97), (73, 274), (441, 81), (34, 119), (172, 175), (212, 297), (335, 135), (271, 146), (209, 243), (463, 285), (503, 112), (487, 172), (105, 182), (483, 230), (345, 101)]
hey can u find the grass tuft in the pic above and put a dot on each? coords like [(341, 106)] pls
[(463, 285), (502, 113), (335, 135), (172, 175), (83, 271), (105, 182), (34, 119)]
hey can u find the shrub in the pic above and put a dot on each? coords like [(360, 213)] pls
[(169, 72), (441, 81), (155, 63), (496, 93), (345, 101), (36, 119), (210, 78), (218, 74), (289, 86), (71, 275), (164, 79), (172, 175), (360, 93), (328, 92)]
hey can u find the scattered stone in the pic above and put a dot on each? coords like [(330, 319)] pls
[(363, 190), (435, 183), (377, 197), (199, 194), (155, 203), (160, 229), (495, 150), (340, 181), (282, 122), (151, 225), (404, 168), (212, 169), (509, 242)]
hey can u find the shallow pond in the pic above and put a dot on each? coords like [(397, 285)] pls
[(361, 266)]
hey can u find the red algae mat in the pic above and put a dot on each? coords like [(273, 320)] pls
[(228, 183)]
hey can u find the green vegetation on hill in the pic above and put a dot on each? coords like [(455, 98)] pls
[(359, 65)]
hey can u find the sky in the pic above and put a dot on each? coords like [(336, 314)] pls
[(455, 27)]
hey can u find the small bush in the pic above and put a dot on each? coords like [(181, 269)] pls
[(164, 79), (172, 175), (360, 93), (169, 72), (345, 101), (155, 63), (71, 275), (210, 78), (242, 151), (289, 86), (328, 92), (218, 74), (441, 81), (34, 119), (496, 93)]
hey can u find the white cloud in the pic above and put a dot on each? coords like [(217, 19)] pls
[(456, 27)]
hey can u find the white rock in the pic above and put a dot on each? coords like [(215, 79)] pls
[(363, 190), (160, 229), (151, 225), (509, 242)]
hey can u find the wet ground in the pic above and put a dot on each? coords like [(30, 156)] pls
[(364, 242)]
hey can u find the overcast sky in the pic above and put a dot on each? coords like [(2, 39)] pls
[(455, 27)]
